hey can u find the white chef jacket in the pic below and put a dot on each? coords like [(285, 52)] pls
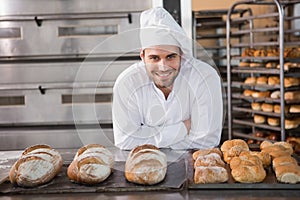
[(142, 115)]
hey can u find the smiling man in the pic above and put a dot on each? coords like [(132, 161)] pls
[(169, 99)]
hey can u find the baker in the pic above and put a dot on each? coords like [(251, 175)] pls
[(169, 99)]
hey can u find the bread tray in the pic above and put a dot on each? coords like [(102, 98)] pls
[(269, 183), (175, 180)]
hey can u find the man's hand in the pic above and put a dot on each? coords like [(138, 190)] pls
[(187, 124)]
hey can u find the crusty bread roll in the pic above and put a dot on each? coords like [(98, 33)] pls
[(273, 121), (247, 169), (267, 107), (146, 165), (260, 53), (295, 142), (286, 169), (271, 65), (276, 149), (291, 81), (232, 148), (262, 80), (293, 95), (255, 64), (250, 80), (202, 152), (273, 80), (262, 94), (212, 159), (92, 164), (263, 156), (244, 64), (278, 110), (256, 106), (209, 166), (275, 94), (248, 93), (291, 123), (259, 119), (294, 109), (38, 165), (212, 174)]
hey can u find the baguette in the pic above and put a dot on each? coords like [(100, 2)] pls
[(92, 164), (38, 165)]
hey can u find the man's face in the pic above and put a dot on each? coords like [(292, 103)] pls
[(162, 64)]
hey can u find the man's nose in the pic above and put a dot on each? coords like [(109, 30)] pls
[(162, 65)]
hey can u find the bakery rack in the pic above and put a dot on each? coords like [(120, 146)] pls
[(271, 31), (209, 31)]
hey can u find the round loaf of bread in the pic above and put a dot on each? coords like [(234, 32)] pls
[(212, 159), (38, 165), (273, 121), (262, 80), (92, 164), (250, 80), (273, 80), (146, 165)]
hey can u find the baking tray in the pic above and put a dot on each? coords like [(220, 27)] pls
[(174, 181), (269, 183)]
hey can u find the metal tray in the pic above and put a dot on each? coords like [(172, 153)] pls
[(175, 180), (269, 183)]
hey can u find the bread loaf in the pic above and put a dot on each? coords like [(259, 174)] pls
[(202, 152), (262, 80), (291, 123), (277, 108), (275, 94), (295, 95), (273, 80), (294, 109), (259, 119), (232, 148), (273, 121), (92, 164), (263, 94), (146, 165), (267, 107), (286, 169), (256, 106), (209, 166), (250, 80), (263, 156), (38, 165), (247, 169), (291, 81), (212, 174), (276, 149)]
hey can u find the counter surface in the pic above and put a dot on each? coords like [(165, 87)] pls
[(182, 192)]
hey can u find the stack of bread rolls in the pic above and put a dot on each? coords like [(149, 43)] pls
[(92, 164), (209, 166), (284, 165), (38, 165), (146, 165)]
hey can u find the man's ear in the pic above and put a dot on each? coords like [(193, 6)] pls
[(142, 54)]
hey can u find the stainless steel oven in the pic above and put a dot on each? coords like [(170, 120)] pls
[(58, 63)]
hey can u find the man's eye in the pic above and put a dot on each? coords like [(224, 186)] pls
[(171, 56), (154, 58)]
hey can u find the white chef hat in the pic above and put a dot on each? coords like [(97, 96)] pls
[(158, 27)]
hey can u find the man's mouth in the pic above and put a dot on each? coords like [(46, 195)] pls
[(163, 74)]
